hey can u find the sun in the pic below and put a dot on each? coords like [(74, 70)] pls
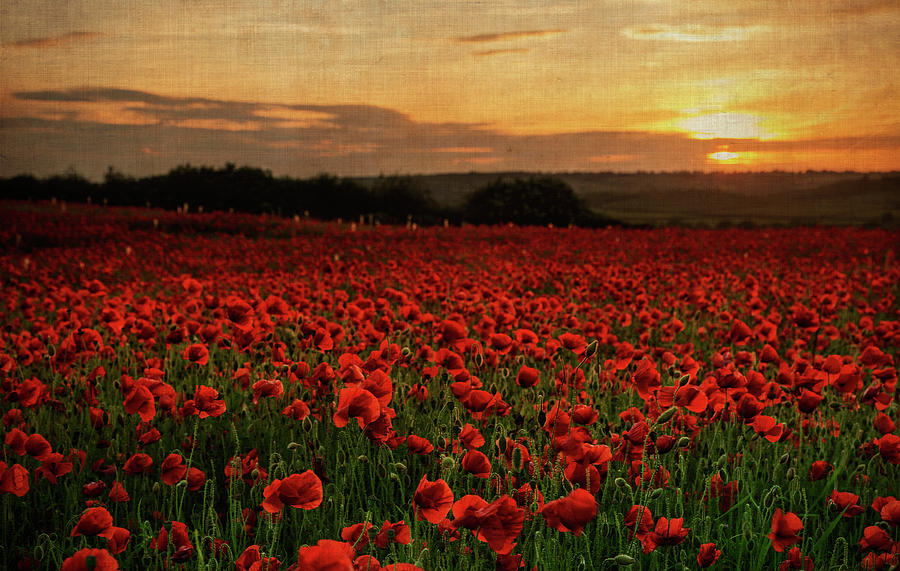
[(724, 156)]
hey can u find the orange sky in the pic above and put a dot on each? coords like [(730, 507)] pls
[(356, 88)]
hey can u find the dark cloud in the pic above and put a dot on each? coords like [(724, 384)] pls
[(496, 37), (144, 133), (53, 41)]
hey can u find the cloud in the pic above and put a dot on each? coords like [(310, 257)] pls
[(53, 41), (486, 53), (496, 37), (87, 131), (692, 33)]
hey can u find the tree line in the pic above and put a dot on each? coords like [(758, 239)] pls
[(533, 200)]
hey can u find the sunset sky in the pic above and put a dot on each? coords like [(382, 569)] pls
[(369, 87)]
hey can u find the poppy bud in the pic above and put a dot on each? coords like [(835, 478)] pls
[(400, 467), (723, 474), (479, 360), (155, 487), (362, 459), (656, 493), (517, 459), (623, 560), (785, 458), (254, 474), (306, 424), (684, 380), (791, 473), (394, 477), (684, 442), (293, 446), (381, 471), (590, 349), (667, 415), (448, 463), (723, 459)]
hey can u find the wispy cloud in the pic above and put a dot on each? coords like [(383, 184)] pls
[(53, 41), (692, 33), (486, 53), (500, 36)]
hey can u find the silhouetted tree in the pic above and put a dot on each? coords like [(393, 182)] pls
[(531, 201)]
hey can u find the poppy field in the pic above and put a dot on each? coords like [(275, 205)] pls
[(227, 391)]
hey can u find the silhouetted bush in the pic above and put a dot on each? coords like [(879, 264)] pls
[(531, 201)]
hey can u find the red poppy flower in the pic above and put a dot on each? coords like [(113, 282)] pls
[(785, 527), (572, 512), (890, 512), (326, 555), (432, 500), (267, 388), (884, 424), (357, 535), (889, 448), (173, 469), (574, 343), (94, 521), (846, 502), (38, 447), (13, 480), (356, 402), (138, 464), (669, 531), (796, 560), (140, 401), (90, 560), (16, 439), (476, 463), (875, 538), (206, 401), (497, 523), (708, 555), (196, 353), (470, 437), (819, 469), (53, 467), (528, 377), (393, 532), (298, 410), (419, 445), (642, 528), (117, 539), (118, 493), (303, 491)]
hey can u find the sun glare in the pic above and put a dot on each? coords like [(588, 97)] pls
[(724, 156), (724, 126)]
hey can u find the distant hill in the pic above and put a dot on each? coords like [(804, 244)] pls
[(710, 199)]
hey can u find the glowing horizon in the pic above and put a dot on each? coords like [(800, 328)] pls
[(448, 86)]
